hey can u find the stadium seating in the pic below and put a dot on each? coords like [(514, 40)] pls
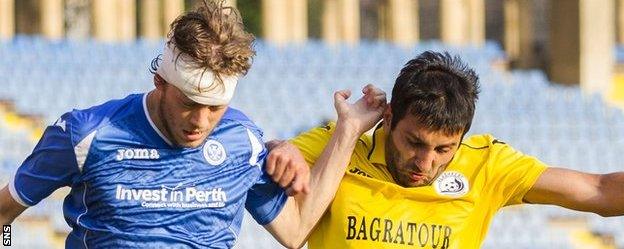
[(289, 90)]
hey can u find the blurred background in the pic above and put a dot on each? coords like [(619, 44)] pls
[(551, 75)]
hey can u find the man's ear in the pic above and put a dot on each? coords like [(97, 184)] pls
[(159, 82), (387, 117)]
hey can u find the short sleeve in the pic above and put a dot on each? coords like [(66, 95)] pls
[(514, 173), (51, 165), (265, 199), (312, 142)]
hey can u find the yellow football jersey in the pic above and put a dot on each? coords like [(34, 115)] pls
[(371, 211)]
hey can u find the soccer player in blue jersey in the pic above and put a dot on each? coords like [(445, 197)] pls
[(176, 167)]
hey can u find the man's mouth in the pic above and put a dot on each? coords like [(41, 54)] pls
[(192, 135), (416, 177)]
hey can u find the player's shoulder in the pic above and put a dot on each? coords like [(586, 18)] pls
[(82, 122), (481, 142), (235, 117), (314, 139), (476, 150), (328, 128), (320, 135), (234, 114), (320, 132)]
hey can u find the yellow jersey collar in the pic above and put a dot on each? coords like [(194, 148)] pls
[(378, 152)]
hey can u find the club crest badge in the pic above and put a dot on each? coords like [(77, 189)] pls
[(451, 183), (214, 153)]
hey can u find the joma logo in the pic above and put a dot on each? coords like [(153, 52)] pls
[(124, 154)]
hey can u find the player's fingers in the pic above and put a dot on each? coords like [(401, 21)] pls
[(370, 99), (270, 163), (371, 92), (304, 179), (290, 192), (375, 94), (296, 187), (287, 176), (342, 95), (372, 89), (380, 101), (379, 94), (279, 169), (373, 100), (368, 88)]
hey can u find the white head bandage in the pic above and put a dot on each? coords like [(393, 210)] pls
[(198, 84)]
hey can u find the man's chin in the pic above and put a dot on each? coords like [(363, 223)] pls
[(416, 184), (190, 144)]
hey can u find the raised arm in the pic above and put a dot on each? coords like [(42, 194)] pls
[(9, 208), (600, 194), (301, 212)]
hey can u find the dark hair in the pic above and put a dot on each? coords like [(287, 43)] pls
[(214, 36), (439, 90)]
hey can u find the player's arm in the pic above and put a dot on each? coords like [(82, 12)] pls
[(51, 165), (9, 208), (598, 193), (301, 213)]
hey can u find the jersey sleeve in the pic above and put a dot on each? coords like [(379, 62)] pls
[(312, 142), (51, 165), (514, 173), (265, 199)]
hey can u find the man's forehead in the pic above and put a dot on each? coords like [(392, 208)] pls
[(412, 127)]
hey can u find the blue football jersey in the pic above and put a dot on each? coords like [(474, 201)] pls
[(130, 188)]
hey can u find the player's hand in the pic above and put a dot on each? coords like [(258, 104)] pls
[(288, 168), (365, 112)]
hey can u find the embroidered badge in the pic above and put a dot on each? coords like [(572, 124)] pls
[(214, 152), (451, 183)]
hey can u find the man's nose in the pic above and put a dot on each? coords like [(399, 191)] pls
[(424, 161), (199, 117)]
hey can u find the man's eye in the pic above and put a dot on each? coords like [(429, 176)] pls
[(216, 107), (414, 143), (442, 150)]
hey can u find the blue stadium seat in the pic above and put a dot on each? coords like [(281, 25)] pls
[(289, 90)]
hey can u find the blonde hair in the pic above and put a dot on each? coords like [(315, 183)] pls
[(214, 37)]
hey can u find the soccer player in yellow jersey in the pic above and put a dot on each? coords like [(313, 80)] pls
[(417, 182)]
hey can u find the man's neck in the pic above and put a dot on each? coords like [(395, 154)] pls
[(153, 110)]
